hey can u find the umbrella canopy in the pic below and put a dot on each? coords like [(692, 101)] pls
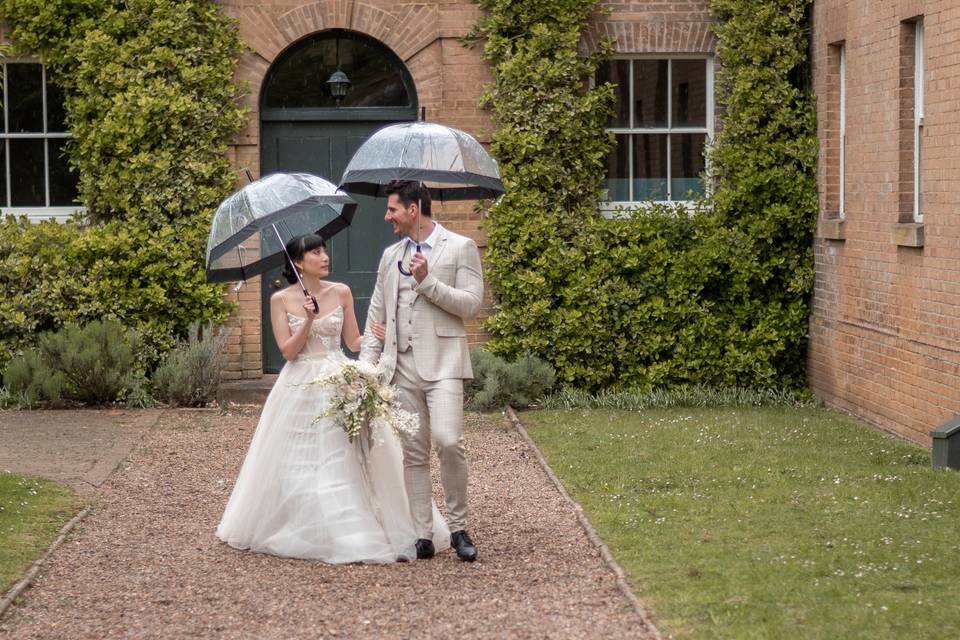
[(251, 228), (451, 163)]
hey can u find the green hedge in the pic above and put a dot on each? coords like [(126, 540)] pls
[(151, 104), (715, 296), (147, 277)]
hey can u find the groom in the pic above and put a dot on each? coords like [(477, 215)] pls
[(415, 327)]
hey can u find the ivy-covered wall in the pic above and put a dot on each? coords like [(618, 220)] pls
[(151, 103), (716, 295)]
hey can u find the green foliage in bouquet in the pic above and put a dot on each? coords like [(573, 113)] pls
[(189, 375), (360, 402), (497, 383), (714, 295)]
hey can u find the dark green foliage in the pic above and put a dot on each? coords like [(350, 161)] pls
[(764, 160), (151, 103), (150, 99), (498, 383), (716, 296), (552, 148), (94, 364), (189, 375), (52, 274)]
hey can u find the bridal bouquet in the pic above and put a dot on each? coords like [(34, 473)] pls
[(361, 400)]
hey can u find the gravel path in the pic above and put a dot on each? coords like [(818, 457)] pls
[(145, 563)]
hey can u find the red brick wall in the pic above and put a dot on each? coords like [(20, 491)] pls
[(656, 26), (885, 324)]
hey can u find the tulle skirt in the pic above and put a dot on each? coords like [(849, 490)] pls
[(305, 491)]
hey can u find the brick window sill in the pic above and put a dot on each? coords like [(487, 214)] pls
[(908, 234), (831, 229)]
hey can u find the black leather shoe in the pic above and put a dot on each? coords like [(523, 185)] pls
[(463, 545), (425, 549)]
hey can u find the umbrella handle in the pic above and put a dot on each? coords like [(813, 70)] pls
[(400, 265), (316, 307)]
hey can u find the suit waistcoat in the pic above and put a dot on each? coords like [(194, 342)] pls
[(406, 296)]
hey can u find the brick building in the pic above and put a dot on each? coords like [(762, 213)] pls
[(663, 50), (400, 56), (885, 327)]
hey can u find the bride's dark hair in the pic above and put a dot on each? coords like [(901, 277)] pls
[(297, 247)]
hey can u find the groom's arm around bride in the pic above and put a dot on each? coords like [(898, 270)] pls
[(424, 351)]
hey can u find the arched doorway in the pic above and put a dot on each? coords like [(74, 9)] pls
[(304, 128)]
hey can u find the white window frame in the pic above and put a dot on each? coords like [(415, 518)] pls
[(842, 213), (918, 108), (34, 213), (609, 207)]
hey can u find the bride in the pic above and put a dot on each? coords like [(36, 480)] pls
[(304, 491)]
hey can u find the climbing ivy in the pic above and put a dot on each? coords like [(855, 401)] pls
[(151, 103), (717, 295)]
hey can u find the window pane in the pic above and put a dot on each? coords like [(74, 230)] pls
[(650, 93), (63, 182), (618, 73), (299, 78), (689, 78), (618, 170), (25, 99), (650, 167), (56, 116), (26, 173), (687, 163)]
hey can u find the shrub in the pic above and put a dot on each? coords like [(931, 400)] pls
[(190, 373), (498, 383), (94, 364), (149, 277), (151, 103), (97, 361), (28, 381)]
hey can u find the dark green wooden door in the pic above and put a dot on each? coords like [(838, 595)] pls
[(323, 149)]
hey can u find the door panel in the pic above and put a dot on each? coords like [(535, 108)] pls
[(324, 149)]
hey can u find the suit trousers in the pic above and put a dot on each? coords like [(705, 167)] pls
[(440, 407)]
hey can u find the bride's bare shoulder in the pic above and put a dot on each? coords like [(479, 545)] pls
[(339, 289), (281, 297)]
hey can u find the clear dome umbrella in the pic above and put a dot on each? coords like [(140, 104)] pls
[(251, 228), (449, 162)]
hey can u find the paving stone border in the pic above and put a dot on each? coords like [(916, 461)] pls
[(642, 610)]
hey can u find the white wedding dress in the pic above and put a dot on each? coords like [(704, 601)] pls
[(305, 491)]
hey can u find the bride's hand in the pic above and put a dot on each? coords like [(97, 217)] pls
[(379, 330), (310, 307)]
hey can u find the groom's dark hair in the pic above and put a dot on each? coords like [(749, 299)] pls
[(409, 192)]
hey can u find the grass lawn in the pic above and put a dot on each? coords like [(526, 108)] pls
[(32, 511), (767, 522)]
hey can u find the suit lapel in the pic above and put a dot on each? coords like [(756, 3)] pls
[(393, 274), (437, 252)]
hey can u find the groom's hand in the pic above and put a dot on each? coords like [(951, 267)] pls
[(379, 330), (418, 266)]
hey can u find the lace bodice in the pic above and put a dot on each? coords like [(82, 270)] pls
[(324, 337)]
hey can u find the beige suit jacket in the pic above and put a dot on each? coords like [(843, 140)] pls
[(451, 293)]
